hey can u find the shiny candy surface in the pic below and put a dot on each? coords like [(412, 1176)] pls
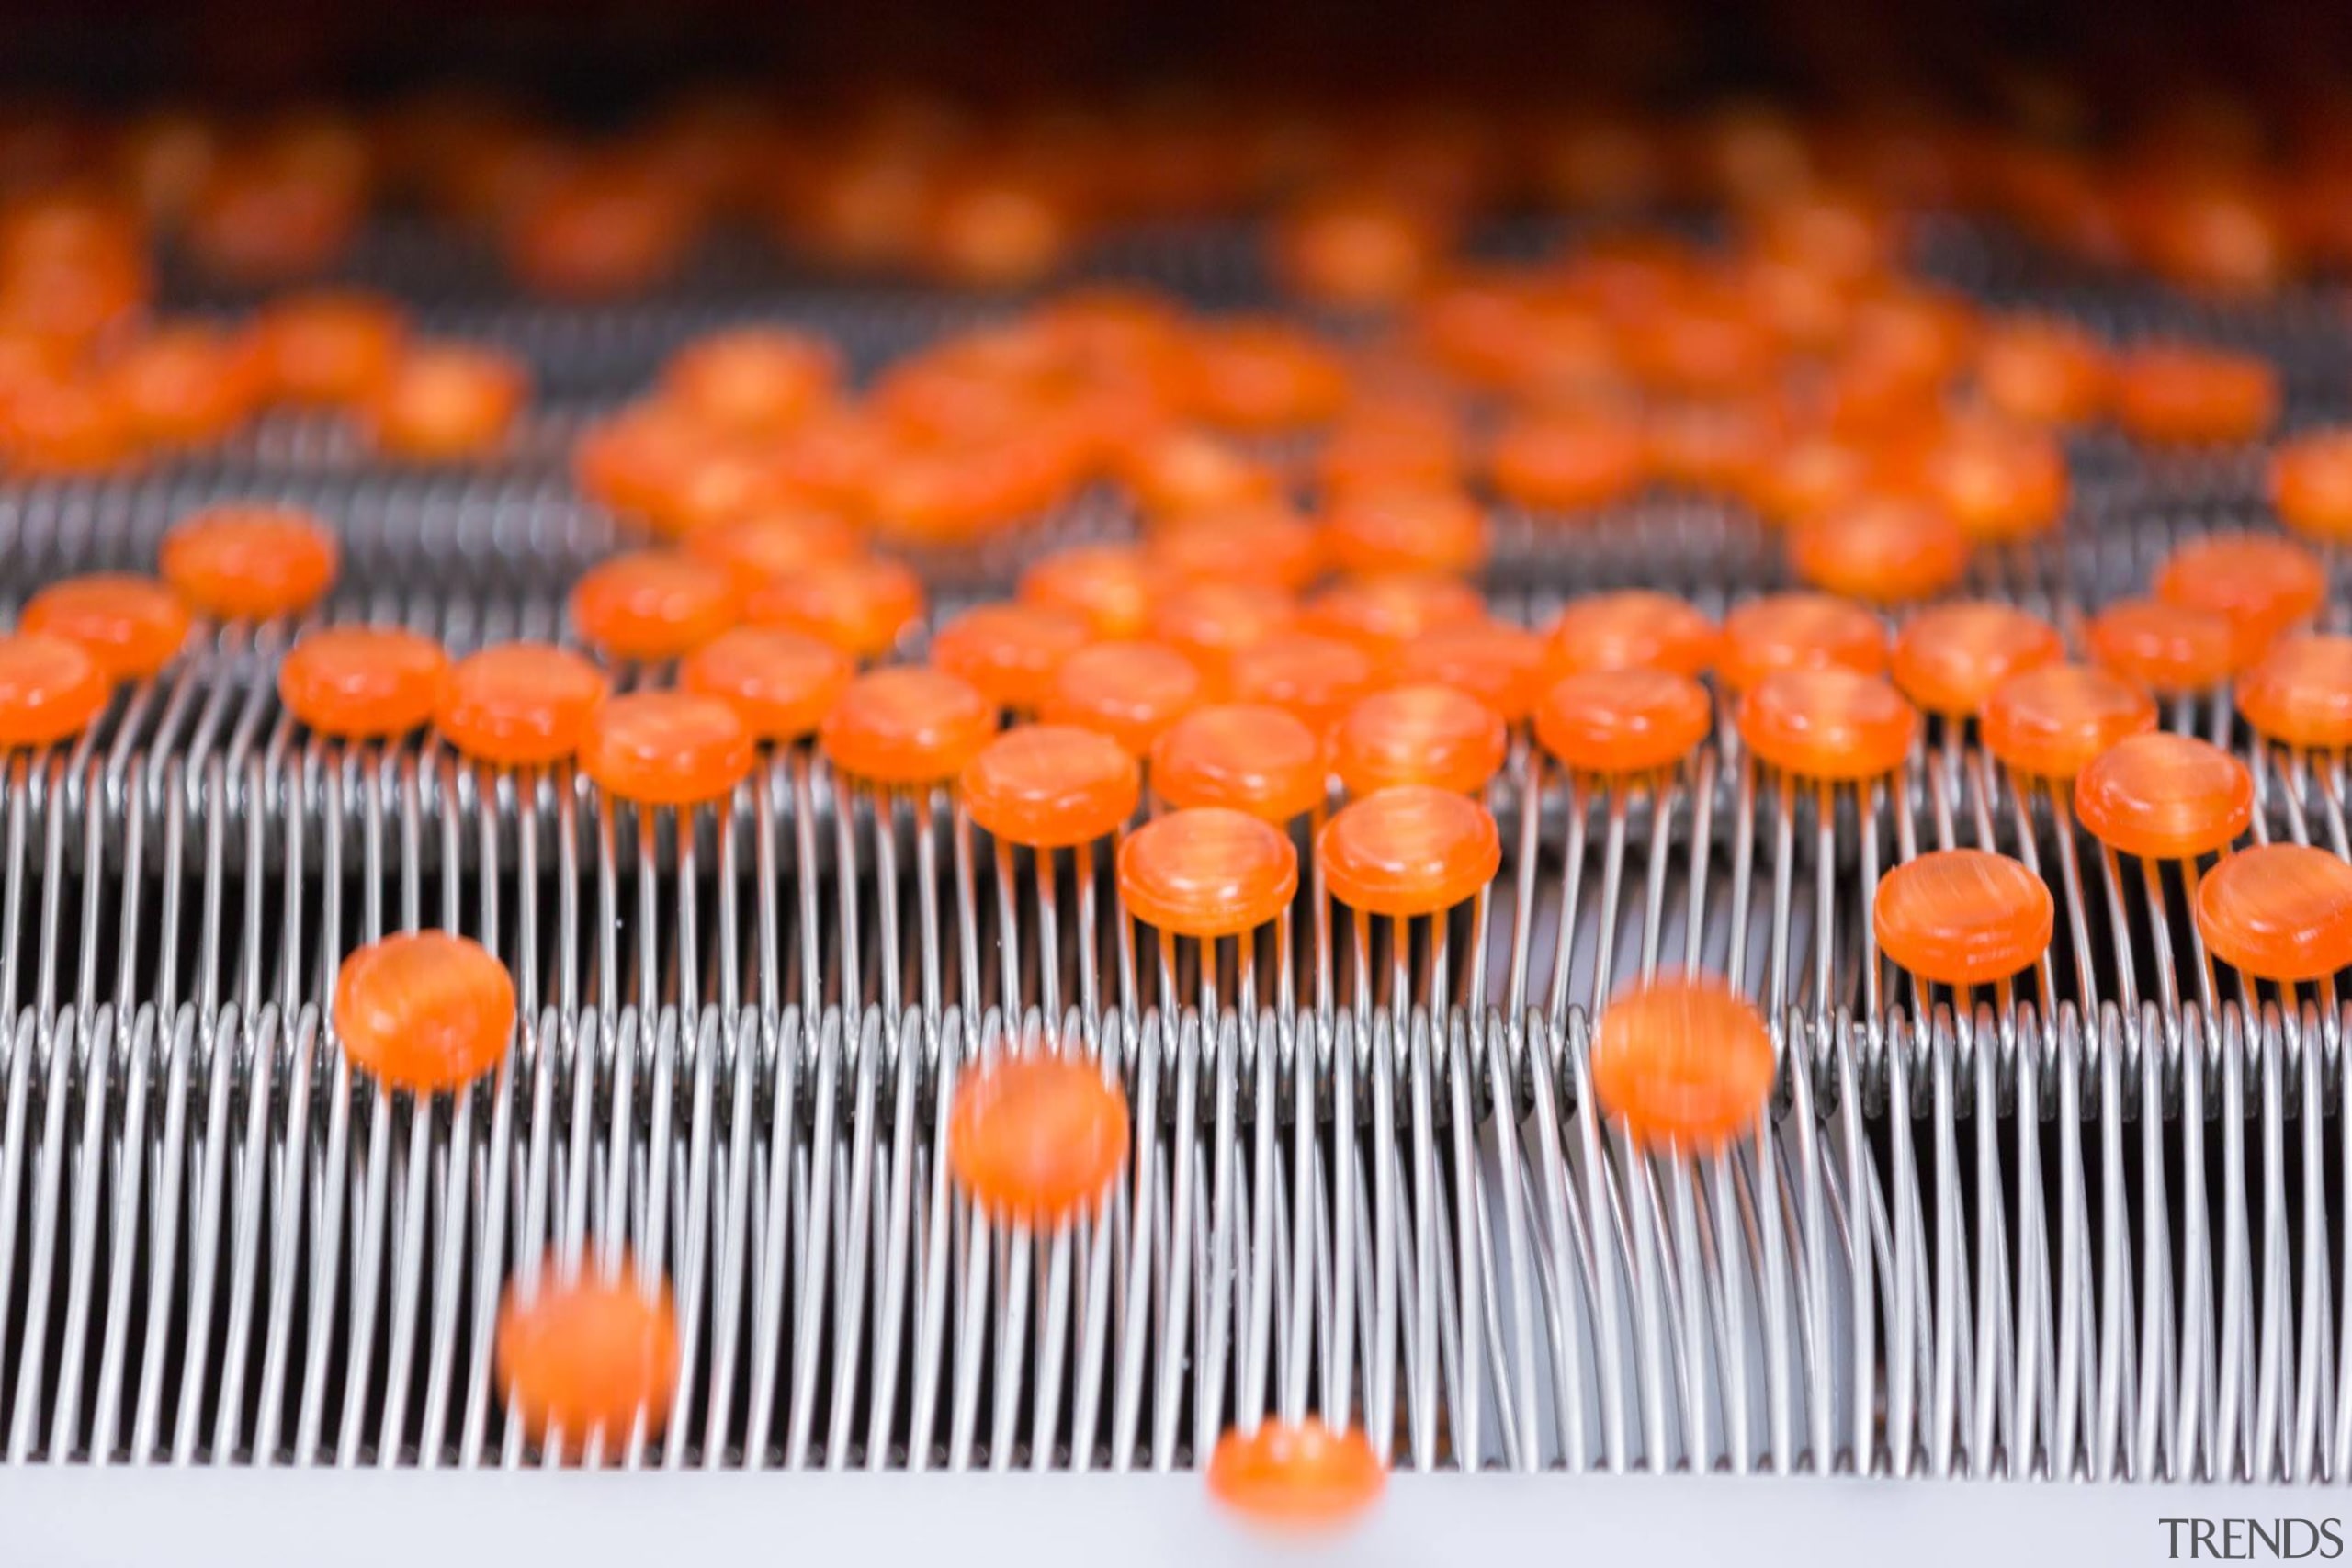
[(250, 562), (1129, 691), (1261, 543), (2278, 911), (2165, 797), (1050, 785), (1206, 872), (132, 625), (906, 726), (2259, 583), (1303, 1477), (1827, 724), (363, 680), (1418, 735), (1499, 664), (1106, 586), (862, 607), (587, 1357), (1411, 850), (2175, 393), (1242, 756), (1949, 659), (425, 1012), (1036, 1137), (2170, 648), (1009, 651), (1962, 916), (1882, 552), (519, 703), (1316, 678), (666, 749), (1211, 622), (1388, 612), (443, 401), (1441, 532), (50, 689), (2053, 721), (2300, 693), (1799, 631), (653, 606), (780, 683), (776, 543), (1623, 721), (2311, 484), (1632, 629), (1683, 1061)]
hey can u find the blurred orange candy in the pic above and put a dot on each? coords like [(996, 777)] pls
[(445, 402), (330, 348), (752, 380), (2180, 394)]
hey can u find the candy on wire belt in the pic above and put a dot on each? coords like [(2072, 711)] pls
[(2086, 1223)]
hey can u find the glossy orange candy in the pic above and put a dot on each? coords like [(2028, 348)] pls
[(1418, 735), (132, 625), (1882, 552), (425, 1011), (1998, 484), (666, 749), (1685, 1062), (906, 726), (445, 402), (2176, 393), (187, 384), (1240, 756), (1832, 724), (1108, 587), (1205, 872), (862, 607), (755, 381), (652, 604), (520, 704), (2053, 721), (1388, 612), (2311, 483), (1623, 721), (589, 1356), (1038, 1136), (1632, 629), (1950, 657), (1316, 678), (2300, 693), (780, 683), (1262, 543), (331, 348), (766, 545), (1050, 786), (1499, 664), (250, 562), (2165, 797), (1304, 1477), (1129, 691), (1962, 916), (50, 689), (1565, 462), (1210, 622), (2172, 649), (1410, 849), (363, 681), (1438, 531), (2261, 585), (2043, 373), (2278, 911), (1009, 651), (1799, 631)]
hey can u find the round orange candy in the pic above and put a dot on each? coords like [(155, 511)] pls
[(1827, 724), (2053, 721), (1009, 651), (2278, 911), (1106, 586), (666, 749), (1962, 916), (778, 542), (64, 425), (1390, 612), (250, 562), (1129, 691), (1422, 529), (132, 625), (443, 401), (2175, 393), (187, 384), (780, 683), (1261, 376), (1998, 484), (1623, 721), (2172, 649), (2300, 693), (1357, 247), (1241, 756), (1206, 872), (2165, 797), (519, 703), (752, 380), (1412, 850), (361, 681), (1051, 786), (1814, 473), (652, 604), (2042, 373), (331, 348), (1799, 631), (1264, 543), (862, 607), (1880, 551), (1418, 735), (1316, 678), (1568, 462), (1632, 629), (1302, 1477), (906, 726), (2311, 483), (1036, 1136), (50, 689), (1210, 622), (1682, 1061), (589, 1356), (1499, 664), (1178, 472), (1949, 659), (425, 1011), (2260, 584)]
